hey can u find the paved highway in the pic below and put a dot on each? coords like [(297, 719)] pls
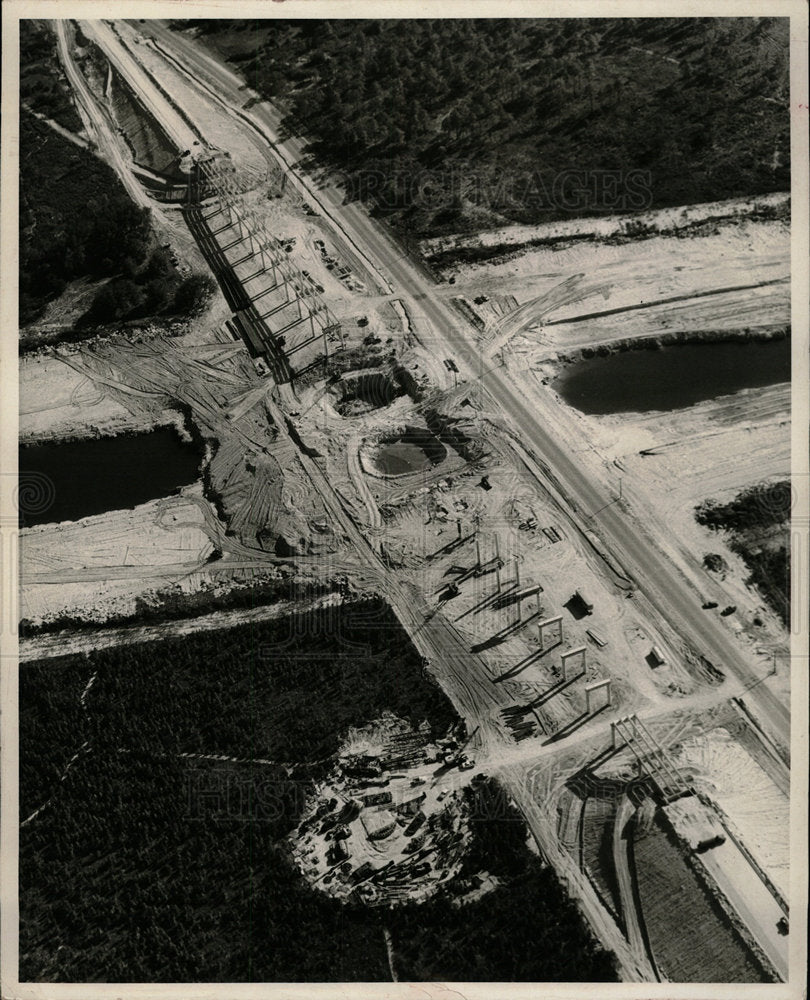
[(671, 595), (661, 582)]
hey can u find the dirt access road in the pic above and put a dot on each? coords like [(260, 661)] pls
[(668, 592), (101, 130), (463, 676)]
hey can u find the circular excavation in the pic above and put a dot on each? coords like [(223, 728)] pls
[(409, 450), (364, 393)]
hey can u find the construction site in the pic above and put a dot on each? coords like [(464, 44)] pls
[(388, 824), (367, 423)]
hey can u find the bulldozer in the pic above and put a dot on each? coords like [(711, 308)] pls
[(455, 756)]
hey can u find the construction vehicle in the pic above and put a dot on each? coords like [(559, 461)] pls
[(455, 757)]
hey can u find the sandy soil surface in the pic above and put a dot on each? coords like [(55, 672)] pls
[(159, 104), (417, 523), (713, 450), (71, 567), (721, 769), (706, 747), (217, 126), (735, 276), (607, 226), (475, 608), (59, 403)]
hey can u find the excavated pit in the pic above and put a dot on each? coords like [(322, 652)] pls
[(410, 450), (365, 393)]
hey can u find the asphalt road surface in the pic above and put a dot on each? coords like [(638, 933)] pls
[(666, 589), (669, 593)]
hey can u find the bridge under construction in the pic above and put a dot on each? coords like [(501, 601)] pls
[(279, 311), (650, 756)]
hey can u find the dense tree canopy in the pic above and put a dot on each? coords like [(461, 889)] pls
[(43, 86), (757, 522), (147, 866), (451, 124), (75, 218), (76, 221)]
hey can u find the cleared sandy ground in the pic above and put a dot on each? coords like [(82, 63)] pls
[(59, 403), (714, 450), (100, 565), (590, 293), (585, 294), (488, 660), (607, 226), (722, 769)]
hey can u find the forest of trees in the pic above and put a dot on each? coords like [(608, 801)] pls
[(446, 125), (144, 866), (761, 506), (43, 86), (77, 221), (75, 218)]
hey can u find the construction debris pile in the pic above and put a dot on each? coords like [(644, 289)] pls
[(388, 824)]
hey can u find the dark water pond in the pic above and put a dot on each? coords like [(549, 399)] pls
[(68, 481), (413, 451), (673, 377)]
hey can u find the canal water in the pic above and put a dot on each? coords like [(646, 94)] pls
[(673, 377), (68, 481)]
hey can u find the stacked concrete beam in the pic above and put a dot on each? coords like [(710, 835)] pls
[(292, 306)]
